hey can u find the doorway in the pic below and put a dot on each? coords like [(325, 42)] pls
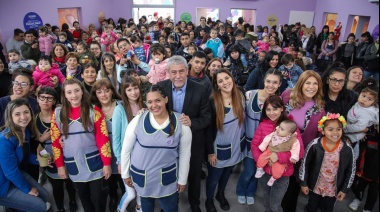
[(357, 24)]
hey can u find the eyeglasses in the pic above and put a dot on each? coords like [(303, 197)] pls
[(43, 98), (22, 84), (334, 81)]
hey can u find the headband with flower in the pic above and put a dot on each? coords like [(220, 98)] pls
[(331, 116)]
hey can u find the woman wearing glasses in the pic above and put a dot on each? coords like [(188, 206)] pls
[(47, 100), (337, 98), (22, 86)]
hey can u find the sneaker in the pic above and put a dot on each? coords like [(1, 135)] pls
[(48, 206), (250, 200), (271, 181), (242, 199), (259, 172), (354, 205)]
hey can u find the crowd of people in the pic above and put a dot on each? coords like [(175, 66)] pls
[(141, 107)]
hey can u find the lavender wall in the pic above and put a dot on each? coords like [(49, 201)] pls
[(345, 8), (12, 12), (263, 8)]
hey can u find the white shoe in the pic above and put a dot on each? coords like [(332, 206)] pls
[(242, 199), (259, 172), (366, 211), (354, 205), (48, 206), (250, 200)]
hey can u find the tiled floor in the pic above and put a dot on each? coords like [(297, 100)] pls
[(231, 197)]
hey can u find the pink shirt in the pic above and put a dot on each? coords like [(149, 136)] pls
[(326, 184), (299, 114)]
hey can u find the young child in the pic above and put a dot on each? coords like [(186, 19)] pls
[(45, 41), (263, 45), (215, 44), (85, 55), (62, 38), (363, 114), (45, 72), (89, 75), (171, 41), (156, 32), (282, 140), (328, 167), (16, 62), (191, 49), (140, 49), (290, 71), (108, 37), (158, 64)]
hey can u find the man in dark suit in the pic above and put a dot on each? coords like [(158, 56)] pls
[(191, 99)]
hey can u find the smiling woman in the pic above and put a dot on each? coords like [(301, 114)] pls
[(18, 189), (23, 84), (86, 162), (305, 103), (225, 135)]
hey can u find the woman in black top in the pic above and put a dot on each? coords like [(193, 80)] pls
[(347, 51), (337, 98)]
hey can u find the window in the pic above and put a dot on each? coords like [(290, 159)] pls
[(154, 2), (248, 15), (68, 16), (212, 13), (331, 20), (163, 8)]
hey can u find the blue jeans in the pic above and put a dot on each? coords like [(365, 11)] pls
[(217, 176), (22, 201), (247, 183), (368, 74), (274, 194), (168, 203)]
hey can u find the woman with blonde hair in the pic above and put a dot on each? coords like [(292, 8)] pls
[(305, 103)]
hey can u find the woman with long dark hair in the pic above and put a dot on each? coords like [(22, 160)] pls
[(165, 143)]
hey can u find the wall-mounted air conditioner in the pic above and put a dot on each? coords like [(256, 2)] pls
[(374, 1)]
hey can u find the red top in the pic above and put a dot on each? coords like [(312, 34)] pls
[(265, 128), (78, 34), (101, 136)]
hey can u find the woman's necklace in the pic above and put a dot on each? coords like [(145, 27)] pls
[(106, 113)]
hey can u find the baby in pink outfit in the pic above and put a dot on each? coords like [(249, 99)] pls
[(158, 64), (263, 45), (282, 140), (46, 72)]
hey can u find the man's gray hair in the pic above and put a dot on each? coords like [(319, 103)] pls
[(177, 60)]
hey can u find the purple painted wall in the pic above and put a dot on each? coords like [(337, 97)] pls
[(12, 12), (344, 9), (263, 8)]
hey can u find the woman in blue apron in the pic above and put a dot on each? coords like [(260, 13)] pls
[(86, 154), (226, 141), (155, 157), (47, 99), (247, 183)]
